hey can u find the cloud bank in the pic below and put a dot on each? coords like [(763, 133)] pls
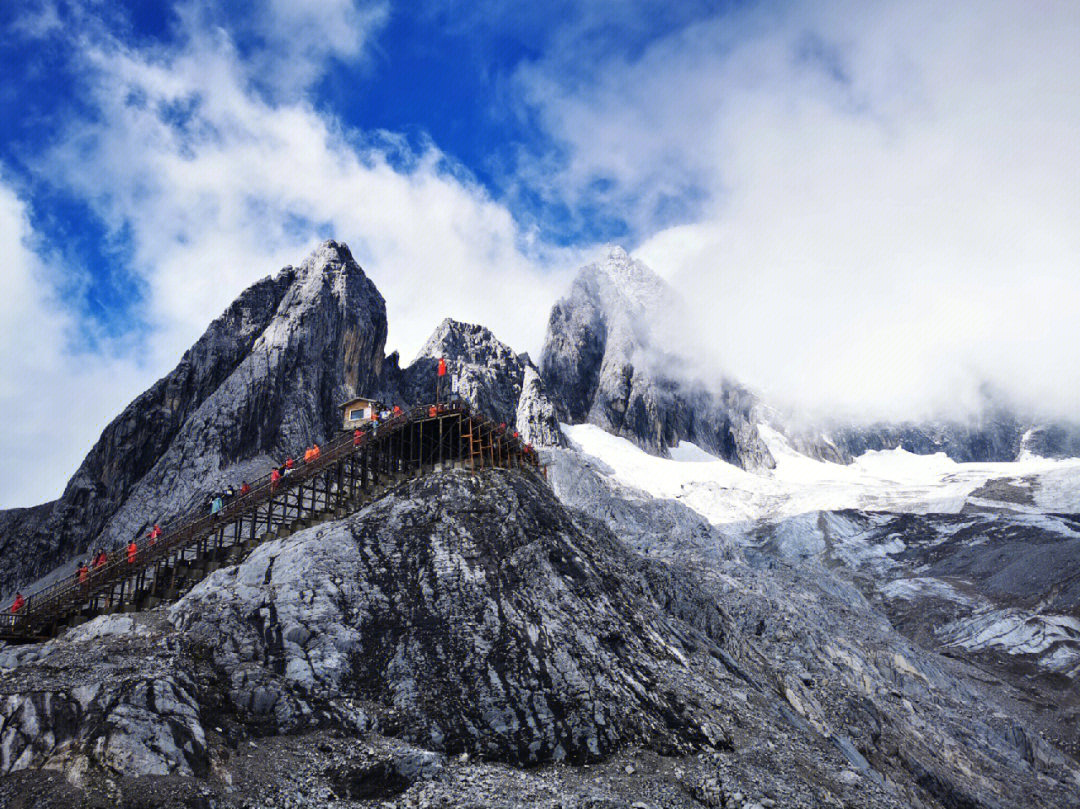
[(887, 195)]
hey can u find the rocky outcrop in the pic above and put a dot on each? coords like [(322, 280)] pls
[(986, 439), (798, 595), (469, 616), (466, 618), (106, 698), (536, 418), (264, 380), (481, 370), (604, 362), (22, 535), (1053, 440), (262, 383)]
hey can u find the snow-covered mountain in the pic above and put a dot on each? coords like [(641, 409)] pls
[(977, 561), (612, 358)]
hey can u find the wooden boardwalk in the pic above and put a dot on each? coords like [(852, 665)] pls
[(348, 474)]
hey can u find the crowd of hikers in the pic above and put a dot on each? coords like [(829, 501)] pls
[(100, 558)]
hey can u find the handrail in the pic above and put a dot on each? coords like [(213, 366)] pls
[(180, 531)]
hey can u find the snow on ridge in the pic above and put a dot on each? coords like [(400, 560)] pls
[(1019, 633), (919, 587), (884, 480), (687, 452)]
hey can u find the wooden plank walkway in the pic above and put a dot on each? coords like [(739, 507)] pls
[(347, 475)]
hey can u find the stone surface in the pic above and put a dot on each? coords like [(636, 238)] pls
[(481, 370), (803, 599), (474, 618), (478, 615), (997, 432), (536, 417), (73, 707), (473, 614)]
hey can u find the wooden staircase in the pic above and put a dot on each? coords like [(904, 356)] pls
[(348, 475)]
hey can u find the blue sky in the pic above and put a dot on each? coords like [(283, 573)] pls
[(442, 76), (872, 208)]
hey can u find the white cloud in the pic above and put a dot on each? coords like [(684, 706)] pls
[(890, 194), (54, 397), (887, 201), (295, 39), (220, 186)]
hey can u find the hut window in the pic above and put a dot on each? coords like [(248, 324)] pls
[(357, 414)]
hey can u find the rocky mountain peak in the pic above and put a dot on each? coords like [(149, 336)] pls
[(468, 342), (624, 290), (263, 381)]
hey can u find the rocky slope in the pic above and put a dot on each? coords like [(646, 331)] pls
[(996, 588), (406, 654), (996, 433), (536, 417), (603, 363), (463, 616), (832, 602), (485, 372)]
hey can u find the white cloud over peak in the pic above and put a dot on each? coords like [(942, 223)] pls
[(219, 186), (888, 212)]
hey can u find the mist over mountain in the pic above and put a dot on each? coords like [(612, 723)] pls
[(617, 355), (604, 363)]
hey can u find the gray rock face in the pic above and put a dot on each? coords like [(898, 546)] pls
[(803, 597), (22, 535), (472, 614), (73, 707), (477, 615), (536, 417), (602, 363), (485, 372), (992, 438), (264, 380), (482, 371), (996, 588), (1059, 440)]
